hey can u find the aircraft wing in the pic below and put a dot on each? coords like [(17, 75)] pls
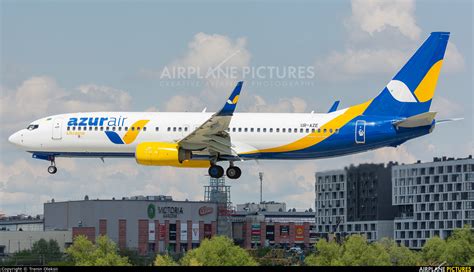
[(212, 135)]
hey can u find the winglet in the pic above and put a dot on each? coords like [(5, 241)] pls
[(334, 106), (230, 104)]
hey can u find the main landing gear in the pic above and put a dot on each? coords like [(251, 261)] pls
[(52, 169), (216, 171)]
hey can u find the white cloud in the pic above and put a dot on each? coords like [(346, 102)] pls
[(293, 104), (353, 63), (40, 96), (210, 50), (184, 103), (368, 54), (399, 154), (446, 108), (453, 59), (374, 16)]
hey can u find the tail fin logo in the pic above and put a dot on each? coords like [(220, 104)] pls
[(130, 135), (233, 101), (400, 91)]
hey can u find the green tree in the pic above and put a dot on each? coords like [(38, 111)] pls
[(218, 251), (459, 248), (399, 254), (328, 253), (104, 253), (46, 251), (164, 260), (433, 251), (356, 251)]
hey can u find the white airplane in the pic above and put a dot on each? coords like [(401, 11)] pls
[(200, 139)]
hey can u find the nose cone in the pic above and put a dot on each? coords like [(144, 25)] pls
[(15, 138)]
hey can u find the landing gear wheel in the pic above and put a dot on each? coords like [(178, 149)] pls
[(233, 172), (216, 171), (52, 169)]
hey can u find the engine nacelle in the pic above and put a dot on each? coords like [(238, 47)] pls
[(166, 154)]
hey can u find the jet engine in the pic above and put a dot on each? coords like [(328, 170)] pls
[(166, 154)]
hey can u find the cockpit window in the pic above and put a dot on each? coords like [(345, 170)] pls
[(32, 127)]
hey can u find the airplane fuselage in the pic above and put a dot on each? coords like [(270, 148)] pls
[(254, 135)]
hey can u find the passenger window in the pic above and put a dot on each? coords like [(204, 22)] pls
[(271, 129), (258, 129), (337, 130), (264, 129), (283, 130), (180, 129), (174, 129), (96, 128), (156, 129), (246, 129), (78, 128), (144, 128), (301, 130), (90, 128), (132, 128), (240, 129), (185, 128), (107, 129), (68, 128), (319, 130), (113, 128), (233, 129), (138, 128), (330, 130), (119, 128), (325, 130), (295, 130), (126, 128), (73, 128), (101, 128), (251, 129), (307, 130), (169, 129), (312, 130)]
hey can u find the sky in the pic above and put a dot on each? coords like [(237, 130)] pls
[(71, 56)]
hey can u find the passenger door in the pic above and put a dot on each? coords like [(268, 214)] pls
[(360, 132), (57, 127)]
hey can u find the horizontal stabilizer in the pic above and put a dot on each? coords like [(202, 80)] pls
[(448, 120), (423, 119)]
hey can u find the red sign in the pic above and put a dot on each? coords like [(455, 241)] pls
[(205, 210), (162, 231), (299, 233)]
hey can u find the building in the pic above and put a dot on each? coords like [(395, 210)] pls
[(282, 229), (147, 224), (269, 206), (356, 199), (432, 199), (21, 223), (14, 241)]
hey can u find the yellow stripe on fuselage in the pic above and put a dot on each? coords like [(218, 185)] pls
[(131, 135), (425, 90), (313, 138)]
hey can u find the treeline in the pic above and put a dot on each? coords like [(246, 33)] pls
[(355, 250)]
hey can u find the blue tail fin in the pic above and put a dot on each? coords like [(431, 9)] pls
[(411, 90)]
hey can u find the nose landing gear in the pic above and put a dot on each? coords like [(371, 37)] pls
[(52, 169)]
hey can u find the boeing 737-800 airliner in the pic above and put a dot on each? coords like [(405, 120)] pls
[(200, 139)]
